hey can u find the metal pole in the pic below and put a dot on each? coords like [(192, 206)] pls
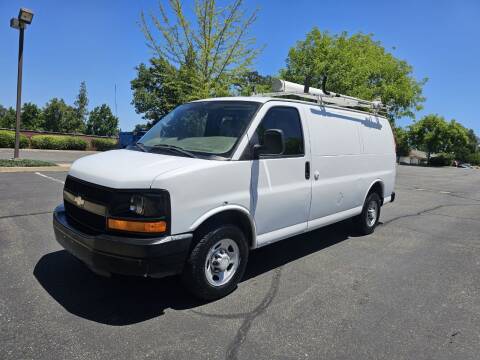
[(19, 93)]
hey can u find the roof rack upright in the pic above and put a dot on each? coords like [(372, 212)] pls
[(282, 88)]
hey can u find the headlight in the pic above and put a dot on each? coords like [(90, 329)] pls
[(149, 207), (137, 204)]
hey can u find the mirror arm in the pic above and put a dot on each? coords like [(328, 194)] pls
[(257, 148)]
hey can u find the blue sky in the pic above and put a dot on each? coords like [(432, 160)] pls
[(99, 41)]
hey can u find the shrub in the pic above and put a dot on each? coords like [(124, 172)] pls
[(24, 163), (104, 144), (56, 142), (7, 139), (441, 160), (75, 143)]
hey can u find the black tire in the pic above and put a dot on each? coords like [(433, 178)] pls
[(364, 226), (194, 274)]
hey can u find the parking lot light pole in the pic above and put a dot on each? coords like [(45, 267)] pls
[(25, 17)]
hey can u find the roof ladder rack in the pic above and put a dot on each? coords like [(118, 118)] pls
[(282, 88)]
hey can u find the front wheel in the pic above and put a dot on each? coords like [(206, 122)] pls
[(216, 263), (368, 219)]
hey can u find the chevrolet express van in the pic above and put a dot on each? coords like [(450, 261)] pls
[(217, 178)]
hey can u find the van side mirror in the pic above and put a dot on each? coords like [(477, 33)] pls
[(273, 144)]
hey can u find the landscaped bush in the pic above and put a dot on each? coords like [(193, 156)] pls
[(75, 143), (7, 139), (104, 144), (441, 160), (56, 142)]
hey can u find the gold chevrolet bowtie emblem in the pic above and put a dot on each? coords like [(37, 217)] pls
[(79, 201)]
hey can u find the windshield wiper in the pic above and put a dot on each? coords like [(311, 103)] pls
[(178, 149), (141, 147)]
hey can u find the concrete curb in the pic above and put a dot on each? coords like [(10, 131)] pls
[(60, 167)]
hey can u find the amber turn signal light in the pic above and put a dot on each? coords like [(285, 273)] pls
[(137, 226)]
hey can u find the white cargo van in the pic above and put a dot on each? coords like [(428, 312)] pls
[(217, 178)]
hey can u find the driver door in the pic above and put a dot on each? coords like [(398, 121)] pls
[(280, 189)]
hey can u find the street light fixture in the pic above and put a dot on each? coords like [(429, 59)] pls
[(25, 17)]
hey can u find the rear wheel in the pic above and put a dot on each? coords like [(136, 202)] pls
[(368, 219), (216, 263)]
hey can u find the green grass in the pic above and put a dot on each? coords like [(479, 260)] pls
[(25, 163)]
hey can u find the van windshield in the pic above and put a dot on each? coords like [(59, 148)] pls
[(201, 128)]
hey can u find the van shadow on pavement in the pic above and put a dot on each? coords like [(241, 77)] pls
[(122, 300)]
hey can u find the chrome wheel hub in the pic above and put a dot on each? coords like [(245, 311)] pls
[(372, 211), (222, 262)]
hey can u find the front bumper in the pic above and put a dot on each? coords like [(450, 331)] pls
[(107, 254)]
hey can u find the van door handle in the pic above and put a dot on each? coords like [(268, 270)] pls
[(307, 170)]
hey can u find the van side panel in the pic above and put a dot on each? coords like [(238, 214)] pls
[(336, 149), (350, 151)]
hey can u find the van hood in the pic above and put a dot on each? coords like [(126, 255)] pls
[(127, 169)]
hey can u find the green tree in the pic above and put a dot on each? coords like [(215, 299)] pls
[(8, 118), (3, 111), (430, 134), (31, 117), (458, 140), (81, 103), (102, 122), (473, 141), (402, 142), (57, 116), (358, 66), (155, 90), (252, 82), (214, 50)]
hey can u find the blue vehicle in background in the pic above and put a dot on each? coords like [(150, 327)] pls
[(127, 138)]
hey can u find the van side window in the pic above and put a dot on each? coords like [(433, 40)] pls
[(286, 119)]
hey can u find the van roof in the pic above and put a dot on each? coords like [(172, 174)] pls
[(260, 99), (263, 99)]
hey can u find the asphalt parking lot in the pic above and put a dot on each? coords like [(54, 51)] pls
[(409, 291)]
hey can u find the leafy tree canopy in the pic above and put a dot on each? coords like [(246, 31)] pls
[(7, 117), (31, 117), (81, 102), (196, 59), (433, 134), (59, 117), (251, 82), (102, 122), (210, 51), (155, 90), (401, 140), (357, 66), (458, 140), (430, 134)]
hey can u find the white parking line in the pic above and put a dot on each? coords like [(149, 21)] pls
[(51, 178)]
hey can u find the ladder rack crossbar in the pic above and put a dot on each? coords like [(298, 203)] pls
[(282, 88), (339, 100)]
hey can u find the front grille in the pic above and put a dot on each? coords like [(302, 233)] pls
[(79, 217), (84, 219), (95, 193), (99, 202)]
